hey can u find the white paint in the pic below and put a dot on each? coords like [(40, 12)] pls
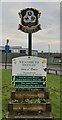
[(28, 66), (15, 51)]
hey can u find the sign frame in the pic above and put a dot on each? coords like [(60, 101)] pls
[(24, 80)]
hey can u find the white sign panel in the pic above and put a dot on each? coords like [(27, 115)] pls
[(28, 66)]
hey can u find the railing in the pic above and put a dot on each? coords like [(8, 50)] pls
[(49, 70), (54, 71)]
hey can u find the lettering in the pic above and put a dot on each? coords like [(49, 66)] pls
[(27, 29)]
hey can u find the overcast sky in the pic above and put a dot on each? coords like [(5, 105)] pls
[(49, 20)]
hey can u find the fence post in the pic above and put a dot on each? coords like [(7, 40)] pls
[(56, 72)]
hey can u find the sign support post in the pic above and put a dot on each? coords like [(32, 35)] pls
[(6, 51), (6, 61), (29, 44)]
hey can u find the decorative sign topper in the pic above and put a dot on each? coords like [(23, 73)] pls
[(29, 20)]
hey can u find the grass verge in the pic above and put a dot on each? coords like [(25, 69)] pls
[(53, 83)]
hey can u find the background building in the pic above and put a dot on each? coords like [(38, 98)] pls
[(17, 51)]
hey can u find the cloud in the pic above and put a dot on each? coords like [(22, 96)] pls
[(30, 1)]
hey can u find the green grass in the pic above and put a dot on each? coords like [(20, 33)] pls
[(0, 94), (6, 89), (53, 83), (54, 63)]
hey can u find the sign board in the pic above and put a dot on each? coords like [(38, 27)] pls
[(28, 71), (29, 20), (7, 50)]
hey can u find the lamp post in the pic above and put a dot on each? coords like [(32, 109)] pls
[(49, 48)]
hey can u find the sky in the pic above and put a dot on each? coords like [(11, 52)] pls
[(47, 39)]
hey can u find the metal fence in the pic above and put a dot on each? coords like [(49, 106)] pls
[(49, 70), (54, 71)]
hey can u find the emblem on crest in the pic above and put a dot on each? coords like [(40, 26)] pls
[(29, 20)]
